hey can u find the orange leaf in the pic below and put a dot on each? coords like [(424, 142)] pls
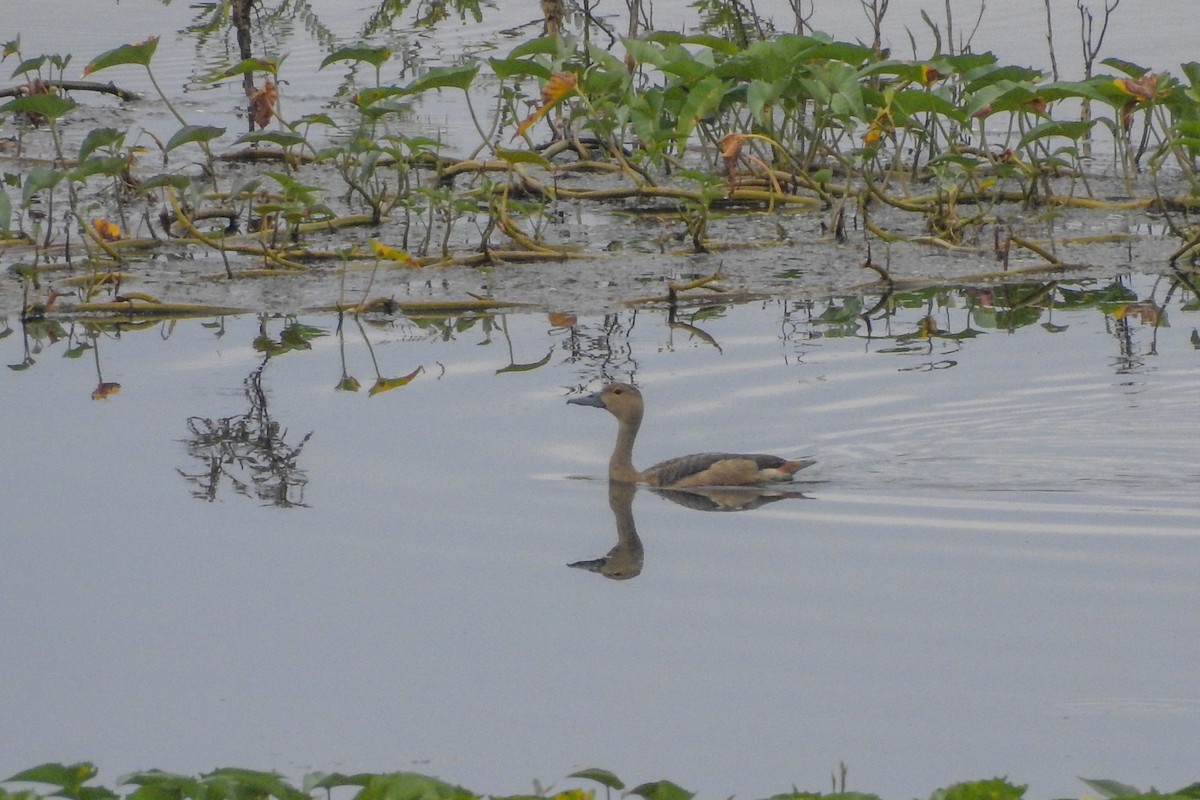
[(560, 85), (562, 319), (106, 230), (262, 104), (104, 390)]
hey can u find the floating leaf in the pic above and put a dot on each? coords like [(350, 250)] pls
[(193, 133), (138, 53)]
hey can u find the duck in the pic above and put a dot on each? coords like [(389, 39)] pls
[(625, 402)]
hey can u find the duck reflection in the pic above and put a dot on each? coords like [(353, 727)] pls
[(625, 559)]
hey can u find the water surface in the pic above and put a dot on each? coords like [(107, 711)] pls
[(991, 572)]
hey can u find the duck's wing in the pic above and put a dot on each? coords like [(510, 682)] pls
[(722, 469)]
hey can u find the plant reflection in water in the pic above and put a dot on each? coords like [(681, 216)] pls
[(625, 559), (251, 449)]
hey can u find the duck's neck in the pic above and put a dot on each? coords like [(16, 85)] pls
[(620, 465)]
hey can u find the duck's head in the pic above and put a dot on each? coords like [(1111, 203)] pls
[(620, 399)]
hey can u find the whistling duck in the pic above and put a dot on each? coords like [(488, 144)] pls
[(702, 469)]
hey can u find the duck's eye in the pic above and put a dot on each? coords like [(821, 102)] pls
[(616, 391)]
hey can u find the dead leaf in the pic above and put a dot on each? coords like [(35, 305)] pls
[(104, 390), (262, 103)]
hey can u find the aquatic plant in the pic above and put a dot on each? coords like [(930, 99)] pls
[(948, 150)]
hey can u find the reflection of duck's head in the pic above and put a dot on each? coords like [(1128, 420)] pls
[(624, 561), (702, 469)]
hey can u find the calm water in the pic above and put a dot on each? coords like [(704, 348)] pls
[(231, 562), (992, 571)]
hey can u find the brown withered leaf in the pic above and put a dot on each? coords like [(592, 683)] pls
[(104, 390), (1142, 88), (262, 103), (562, 319)]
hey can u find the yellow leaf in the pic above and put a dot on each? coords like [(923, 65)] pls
[(387, 384), (560, 85), (382, 250), (106, 230)]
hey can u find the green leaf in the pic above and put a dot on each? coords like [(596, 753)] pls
[(1074, 130), (269, 65), (194, 133), (444, 78), (527, 367), (68, 777), (544, 46), (99, 165), (1128, 67), (97, 138), (30, 65), (281, 138), (513, 67), (1110, 788), (39, 178), (5, 212), (138, 53), (409, 786), (332, 780), (600, 776), (48, 105), (702, 99), (375, 56), (166, 179), (994, 789), (315, 119), (522, 157), (662, 790)]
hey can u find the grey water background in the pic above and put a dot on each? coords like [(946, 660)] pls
[(993, 572)]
